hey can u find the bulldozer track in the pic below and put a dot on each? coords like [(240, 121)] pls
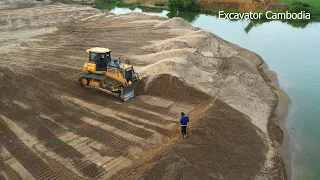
[(106, 79)]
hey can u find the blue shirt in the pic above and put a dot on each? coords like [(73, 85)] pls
[(184, 120)]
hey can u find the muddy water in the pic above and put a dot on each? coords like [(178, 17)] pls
[(293, 53)]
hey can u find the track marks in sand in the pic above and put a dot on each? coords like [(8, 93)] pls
[(115, 110), (21, 158), (117, 141), (70, 150)]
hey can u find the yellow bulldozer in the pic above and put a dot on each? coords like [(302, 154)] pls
[(109, 76)]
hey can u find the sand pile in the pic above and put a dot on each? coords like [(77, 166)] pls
[(214, 66), (25, 26), (201, 40), (13, 4), (165, 86), (173, 23), (167, 45), (213, 139), (140, 16), (181, 63)]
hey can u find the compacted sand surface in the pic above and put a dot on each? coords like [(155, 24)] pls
[(51, 128)]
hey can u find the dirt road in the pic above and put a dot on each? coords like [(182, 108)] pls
[(51, 128)]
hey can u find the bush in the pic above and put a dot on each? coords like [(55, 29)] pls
[(184, 5), (299, 6), (191, 5), (175, 5), (120, 3)]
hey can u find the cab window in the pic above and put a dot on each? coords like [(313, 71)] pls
[(92, 56), (113, 71)]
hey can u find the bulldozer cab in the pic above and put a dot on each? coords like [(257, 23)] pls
[(100, 57)]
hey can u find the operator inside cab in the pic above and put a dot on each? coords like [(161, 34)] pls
[(99, 56), (100, 59)]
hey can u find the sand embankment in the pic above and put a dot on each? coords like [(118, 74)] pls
[(222, 86)]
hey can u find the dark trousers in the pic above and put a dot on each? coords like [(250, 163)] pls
[(183, 130)]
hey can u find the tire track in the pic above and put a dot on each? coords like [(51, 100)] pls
[(117, 144), (32, 163), (117, 110), (155, 128), (44, 130), (116, 105), (140, 132), (11, 173), (161, 110)]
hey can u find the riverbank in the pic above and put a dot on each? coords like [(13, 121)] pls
[(274, 167), (302, 124), (276, 126)]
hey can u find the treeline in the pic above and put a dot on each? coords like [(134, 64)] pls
[(62, 1), (297, 7), (173, 5), (184, 5)]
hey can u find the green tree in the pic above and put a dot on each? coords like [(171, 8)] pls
[(175, 5), (191, 5), (299, 6)]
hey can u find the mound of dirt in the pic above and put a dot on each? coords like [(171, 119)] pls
[(175, 23), (223, 145), (14, 4), (140, 16), (168, 45), (165, 86), (202, 40)]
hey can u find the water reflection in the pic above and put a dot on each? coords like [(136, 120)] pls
[(191, 17), (188, 16)]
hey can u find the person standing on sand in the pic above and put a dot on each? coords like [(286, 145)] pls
[(184, 124)]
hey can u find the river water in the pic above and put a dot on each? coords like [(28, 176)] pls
[(293, 53)]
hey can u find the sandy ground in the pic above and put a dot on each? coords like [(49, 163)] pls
[(226, 90)]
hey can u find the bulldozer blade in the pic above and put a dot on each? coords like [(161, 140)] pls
[(128, 92), (108, 92)]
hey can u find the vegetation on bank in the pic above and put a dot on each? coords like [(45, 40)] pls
[(184, 5), (171, 5), (62, 1), (309, 6), (111, 4), (313, 6), (190, 10)]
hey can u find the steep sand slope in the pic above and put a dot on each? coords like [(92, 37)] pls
[(186, 68), (221, 69)]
